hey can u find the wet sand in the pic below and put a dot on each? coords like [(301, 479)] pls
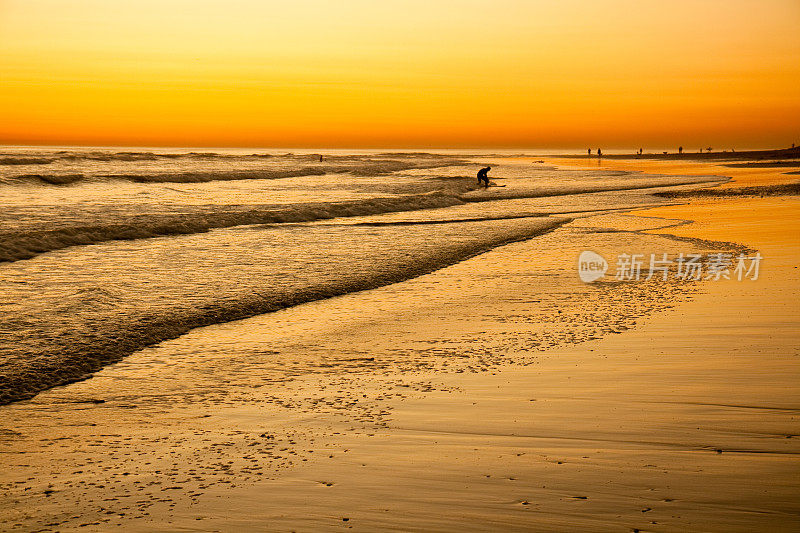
[(687, 422), (741, 176), (669, 410)]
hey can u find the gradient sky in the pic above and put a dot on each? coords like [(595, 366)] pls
[(392, 73)]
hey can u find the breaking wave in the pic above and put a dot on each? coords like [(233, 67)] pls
[(27, 244), (86, 345), (25, 160), (10, 159), (369, 168)]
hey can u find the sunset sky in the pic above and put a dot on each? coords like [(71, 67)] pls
[(410, 73)]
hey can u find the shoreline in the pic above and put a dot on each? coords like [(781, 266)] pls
[(738, 176), (597, 434), (778, 154), (683, 423)]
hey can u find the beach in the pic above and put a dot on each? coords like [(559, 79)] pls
[(379, 367), (426, 266)]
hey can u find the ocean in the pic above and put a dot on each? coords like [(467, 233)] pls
[(106, 251)]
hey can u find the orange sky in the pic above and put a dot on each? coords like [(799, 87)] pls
[(401, 73)]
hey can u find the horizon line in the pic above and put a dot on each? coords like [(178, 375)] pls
[(392, 147)]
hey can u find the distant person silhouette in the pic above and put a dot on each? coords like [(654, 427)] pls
[(482, 177), (680, 149), (590, 151), (599, 153)]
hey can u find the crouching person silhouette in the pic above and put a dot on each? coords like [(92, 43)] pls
[(482, 177)]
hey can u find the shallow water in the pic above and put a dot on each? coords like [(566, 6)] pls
[(147, 245), (233, 404)]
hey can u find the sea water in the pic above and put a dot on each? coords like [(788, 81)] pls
[(104, 251)]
